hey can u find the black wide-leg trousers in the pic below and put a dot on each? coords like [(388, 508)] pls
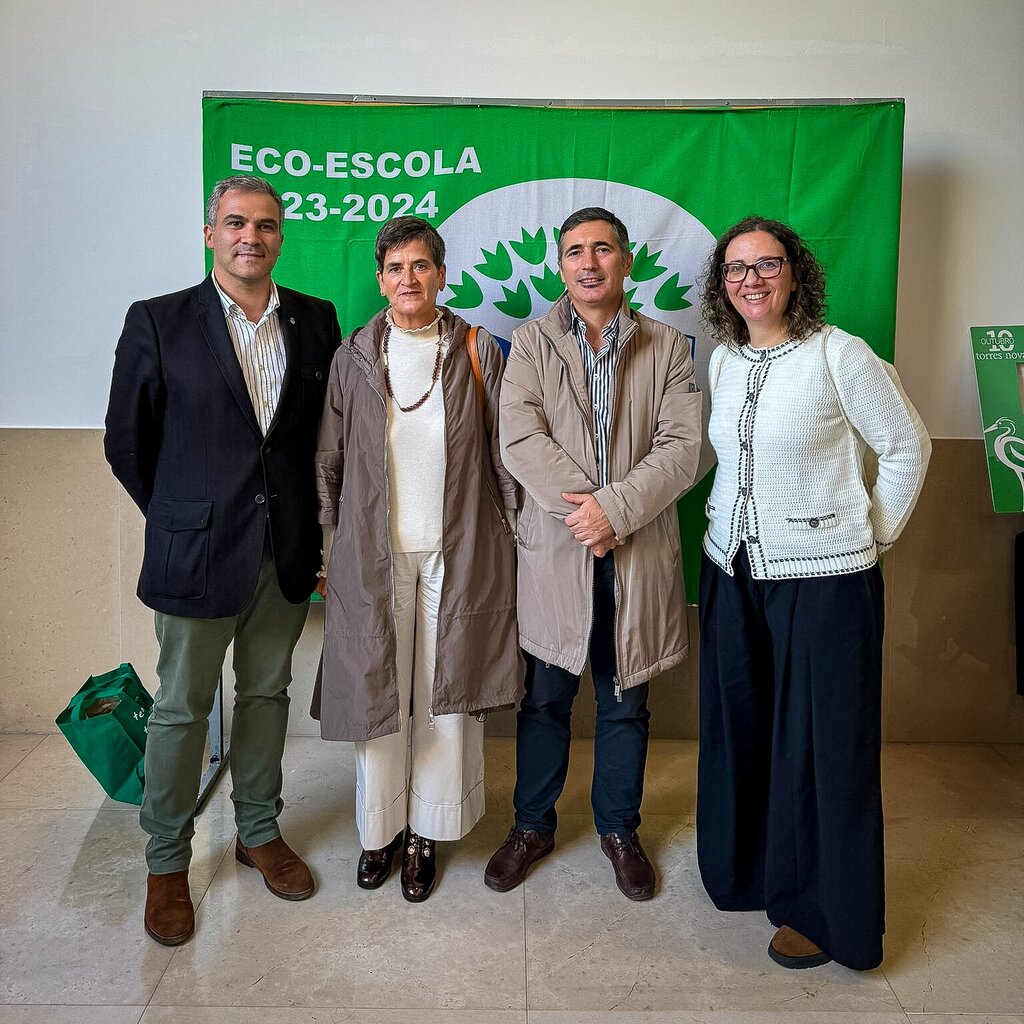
[(789, 802)]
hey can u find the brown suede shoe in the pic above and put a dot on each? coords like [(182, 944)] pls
[(374, 867), (170, 918), (419, 867), (283, 871), (508, 865), (789, 948), (634, 873)]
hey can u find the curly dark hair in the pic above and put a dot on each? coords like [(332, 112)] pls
[(806, 310)]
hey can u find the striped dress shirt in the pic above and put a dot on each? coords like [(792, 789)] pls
[(260, 351), (599, 369)]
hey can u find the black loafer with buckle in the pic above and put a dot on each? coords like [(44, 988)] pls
[(375, 866), (419, 867)]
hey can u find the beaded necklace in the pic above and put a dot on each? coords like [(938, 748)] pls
[(387, 373)]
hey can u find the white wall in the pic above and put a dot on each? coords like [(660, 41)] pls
[(100, 179)]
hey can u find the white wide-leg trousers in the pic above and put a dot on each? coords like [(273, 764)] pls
[(430, 775)]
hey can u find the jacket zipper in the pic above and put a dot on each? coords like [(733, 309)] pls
[(616, 680), (587, 414), (497, 508), (592, 434), (391, 553), (440, 596), (450, 340)]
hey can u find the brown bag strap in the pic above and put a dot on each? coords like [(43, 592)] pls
[(474, 362)]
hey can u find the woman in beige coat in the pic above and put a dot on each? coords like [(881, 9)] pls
[(420, 633)]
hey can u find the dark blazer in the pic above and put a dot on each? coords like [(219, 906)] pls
[(183, 440)]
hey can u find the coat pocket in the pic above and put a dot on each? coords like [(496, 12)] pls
[(822, 521), (314, 386), (177, 546), (524, 524)]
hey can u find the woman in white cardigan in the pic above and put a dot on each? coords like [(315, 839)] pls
[(789, 810)]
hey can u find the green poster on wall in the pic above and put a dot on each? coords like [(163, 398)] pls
[(498, 180), (999, 366)]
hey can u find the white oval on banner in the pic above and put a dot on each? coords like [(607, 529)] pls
[(502, 258)]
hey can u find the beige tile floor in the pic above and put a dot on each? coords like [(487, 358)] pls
[(565, 948)]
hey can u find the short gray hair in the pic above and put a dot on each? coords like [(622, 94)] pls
[(401, 231), (241, 183)]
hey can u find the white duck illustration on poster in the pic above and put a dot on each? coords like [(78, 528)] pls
[(1009, 448)]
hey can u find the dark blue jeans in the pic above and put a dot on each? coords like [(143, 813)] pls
[(544, 729)]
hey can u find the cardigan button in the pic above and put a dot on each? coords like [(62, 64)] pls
[(813, 522), (260, 499)]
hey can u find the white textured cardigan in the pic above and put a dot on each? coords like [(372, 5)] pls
[(789, 425)]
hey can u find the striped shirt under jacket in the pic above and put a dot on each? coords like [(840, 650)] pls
[(599, 368), (261, 353)]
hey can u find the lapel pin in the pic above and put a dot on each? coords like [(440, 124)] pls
[(291, 319)]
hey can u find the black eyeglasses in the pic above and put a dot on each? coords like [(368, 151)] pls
[(765, 269)]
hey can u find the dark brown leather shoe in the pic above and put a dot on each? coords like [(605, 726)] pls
[(512, 860), (789, 948), (375, 866), (283, 871), (634, 873), (419, 867), (170, 918)]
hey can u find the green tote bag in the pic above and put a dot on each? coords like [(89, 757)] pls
[(105, 723)]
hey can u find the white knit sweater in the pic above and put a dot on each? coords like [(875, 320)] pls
[(416, 441), (789, 425)]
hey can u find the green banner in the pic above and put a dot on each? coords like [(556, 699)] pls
[(497, 181), (999, 366)]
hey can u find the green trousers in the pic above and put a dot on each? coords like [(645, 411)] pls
[(191, 658)]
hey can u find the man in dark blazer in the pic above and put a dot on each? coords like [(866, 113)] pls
[(211, 428)]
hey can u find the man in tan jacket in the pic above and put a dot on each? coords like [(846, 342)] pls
[(601, 423)]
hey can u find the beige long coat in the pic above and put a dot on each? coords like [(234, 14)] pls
[(479, 665), (547, 444)]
